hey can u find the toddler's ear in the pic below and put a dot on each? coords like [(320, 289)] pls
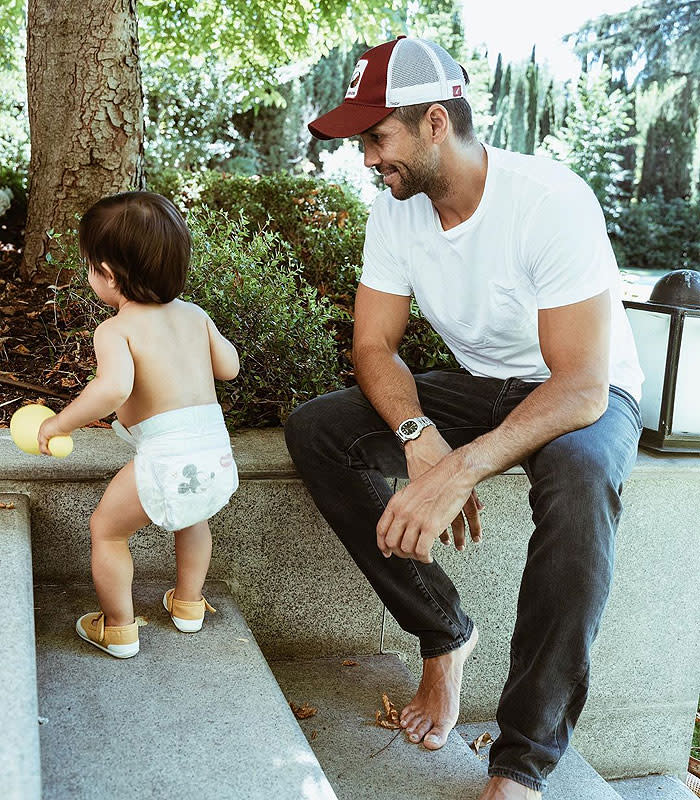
[(109, 275)]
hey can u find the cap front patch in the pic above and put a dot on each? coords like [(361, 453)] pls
[(357, 74)]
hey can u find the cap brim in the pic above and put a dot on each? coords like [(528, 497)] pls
[(347, 119)]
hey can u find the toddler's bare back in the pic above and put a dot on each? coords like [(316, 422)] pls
[(170, 347)]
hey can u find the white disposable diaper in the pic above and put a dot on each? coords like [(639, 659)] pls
[(184, 467)]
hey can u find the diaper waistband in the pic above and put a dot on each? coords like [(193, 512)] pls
[(190, 418)]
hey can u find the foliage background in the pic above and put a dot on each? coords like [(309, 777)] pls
[(229, 87)]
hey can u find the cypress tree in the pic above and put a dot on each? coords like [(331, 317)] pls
[(547, 115), (496, 86), (506, 82), (499, 136), (532, 91), (669, 148), (516, 138)]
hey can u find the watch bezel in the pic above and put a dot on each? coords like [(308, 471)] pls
[(421, 424)]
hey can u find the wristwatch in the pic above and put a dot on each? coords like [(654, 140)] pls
[(412, 428)]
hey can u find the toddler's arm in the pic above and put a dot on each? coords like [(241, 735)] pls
[(224, 357), (104, 394)]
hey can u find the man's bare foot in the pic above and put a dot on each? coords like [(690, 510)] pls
[(433, 712), (505, 789)]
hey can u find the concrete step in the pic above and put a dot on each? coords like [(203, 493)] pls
[(653, 787), (362, 760), (270, 543), (20, 767), (189, 716)]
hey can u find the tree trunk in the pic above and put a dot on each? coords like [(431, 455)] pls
[(85, 115)]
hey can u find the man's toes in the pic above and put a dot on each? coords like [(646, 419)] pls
[(418, 731), (407, 715), (437, 737)]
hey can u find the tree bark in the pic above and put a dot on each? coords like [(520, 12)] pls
[(85, 115)]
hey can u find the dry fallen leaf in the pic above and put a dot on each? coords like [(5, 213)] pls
[(349, 663), (391, 720), (314, 734), (481, 741), (7, 505), (304, 711), (141, 621)]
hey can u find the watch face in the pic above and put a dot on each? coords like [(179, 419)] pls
[(409, 427)]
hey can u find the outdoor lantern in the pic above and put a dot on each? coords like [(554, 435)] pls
[(667, 333)]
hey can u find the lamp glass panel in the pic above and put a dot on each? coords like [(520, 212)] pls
[(686, 408), (651, 331)]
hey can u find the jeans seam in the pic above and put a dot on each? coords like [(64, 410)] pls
[(499, 401), (426, 591)]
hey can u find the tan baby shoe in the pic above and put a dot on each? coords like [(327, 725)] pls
[(120, 641), (186, 616)]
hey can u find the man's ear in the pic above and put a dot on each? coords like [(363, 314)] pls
[(439, 122)]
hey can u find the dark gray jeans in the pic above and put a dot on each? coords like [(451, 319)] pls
[(343, 450)]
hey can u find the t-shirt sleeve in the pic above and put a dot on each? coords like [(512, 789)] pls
[(381, 268), (566, 247)]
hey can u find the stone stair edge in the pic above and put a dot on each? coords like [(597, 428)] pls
[(260, 454), (244, 668), (19, 745)]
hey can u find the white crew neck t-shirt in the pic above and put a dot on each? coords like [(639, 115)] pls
[(536, 240)]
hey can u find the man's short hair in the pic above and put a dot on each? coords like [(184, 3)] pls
[(458, 110)]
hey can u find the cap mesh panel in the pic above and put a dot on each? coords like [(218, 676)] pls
[(412, 66), (452, 69)]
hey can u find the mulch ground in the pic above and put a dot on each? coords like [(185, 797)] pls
[(42, 359)]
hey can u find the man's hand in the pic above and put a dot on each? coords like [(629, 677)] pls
[(422, 454), (49, 428)]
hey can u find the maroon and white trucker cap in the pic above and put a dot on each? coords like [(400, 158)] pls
[(403, 72)]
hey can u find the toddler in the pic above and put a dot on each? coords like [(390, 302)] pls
[(157, 359)]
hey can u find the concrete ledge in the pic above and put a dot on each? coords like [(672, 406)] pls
[(20, 765), (303, 596)]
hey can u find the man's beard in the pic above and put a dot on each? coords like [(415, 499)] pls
[(422, 175)]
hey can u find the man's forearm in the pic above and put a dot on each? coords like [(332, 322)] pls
[(387, 383), (557, 406)]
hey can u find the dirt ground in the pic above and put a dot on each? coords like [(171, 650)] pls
[(42, 358)]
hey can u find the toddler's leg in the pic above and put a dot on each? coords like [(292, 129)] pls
[(192, 554), (118, 515)]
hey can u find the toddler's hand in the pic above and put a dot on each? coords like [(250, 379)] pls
[(49, 428)]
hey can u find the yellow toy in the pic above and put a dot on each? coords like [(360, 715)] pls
[(24, 428)]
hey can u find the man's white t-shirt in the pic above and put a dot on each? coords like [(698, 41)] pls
[(537, 240)]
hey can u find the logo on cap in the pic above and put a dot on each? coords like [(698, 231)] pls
[(457, 91), (357, 74)]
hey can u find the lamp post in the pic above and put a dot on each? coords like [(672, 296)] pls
[(667, 334)]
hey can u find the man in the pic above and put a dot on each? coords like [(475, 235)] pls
[(508, 258)]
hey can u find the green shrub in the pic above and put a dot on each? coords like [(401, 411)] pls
[(254, 291), (658, 234), (324, 223)]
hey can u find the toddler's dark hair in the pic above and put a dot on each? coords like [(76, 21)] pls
[(143, 239)]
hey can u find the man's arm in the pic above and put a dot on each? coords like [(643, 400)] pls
[(574, 340), (386, 381), (380, 323)]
